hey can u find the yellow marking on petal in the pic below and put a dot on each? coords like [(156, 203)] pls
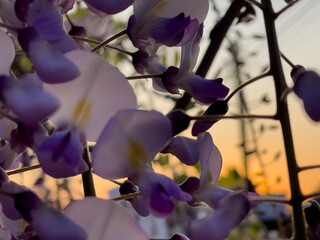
[(137, 154), (82, 111), (156, 10)]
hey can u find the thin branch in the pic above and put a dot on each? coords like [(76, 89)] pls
[(101, 45), (286, 8), (247, 83), (145, 76), (116, 182), (127, 196), (287, 60), (312, 195), (19, 52), (87, 178), (24, 169), (218, 117), (285, 94), (98, 42), (9, 27), (308, 167), (9, 116), (269, 199), (254, 2)]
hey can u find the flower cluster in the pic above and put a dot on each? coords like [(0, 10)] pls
[(74, 96)]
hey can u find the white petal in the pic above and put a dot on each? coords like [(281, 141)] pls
[(7, 53), (94, 97), (104, 220)]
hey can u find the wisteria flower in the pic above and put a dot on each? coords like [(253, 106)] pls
[(230, 207), (47, 222), (307, 88), (99, 92), (142, 134), (108, 7), (160, 22), (50, 64), (202, 90)]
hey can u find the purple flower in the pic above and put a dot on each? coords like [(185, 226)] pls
[(97, 94), (47, 222), (26, 98), (185, 149), (141, 134), (170, 23), (218, 226), (45, 16), (109, 7), (158, 191), (307, 88), (216, 108), (61, 154), (50, 64)]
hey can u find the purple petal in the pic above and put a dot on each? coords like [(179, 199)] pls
[(48, 223), (210, 159), (170, 31), (97, 94), (158, 190), (60, 155), (168, 80), (307, 88), (202, 90), (7, 53), (29, 102), (216, 108), (140, 61), (138, 203), (50, 25), (103, 220), (110, 6), (185, 149), (141, 135), (7, 202), (214, 195), (50, 64), (223, 220), (179, 121)]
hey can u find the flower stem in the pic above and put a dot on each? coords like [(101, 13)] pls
[(145, 76), (87, 178), (101, 45), (308, 167), (218, 117), (287, 60), (22, 170), (9, 27), (286, 8), (98, 42), (269, 199), (283, 113), (247, 83), (127, 196)]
